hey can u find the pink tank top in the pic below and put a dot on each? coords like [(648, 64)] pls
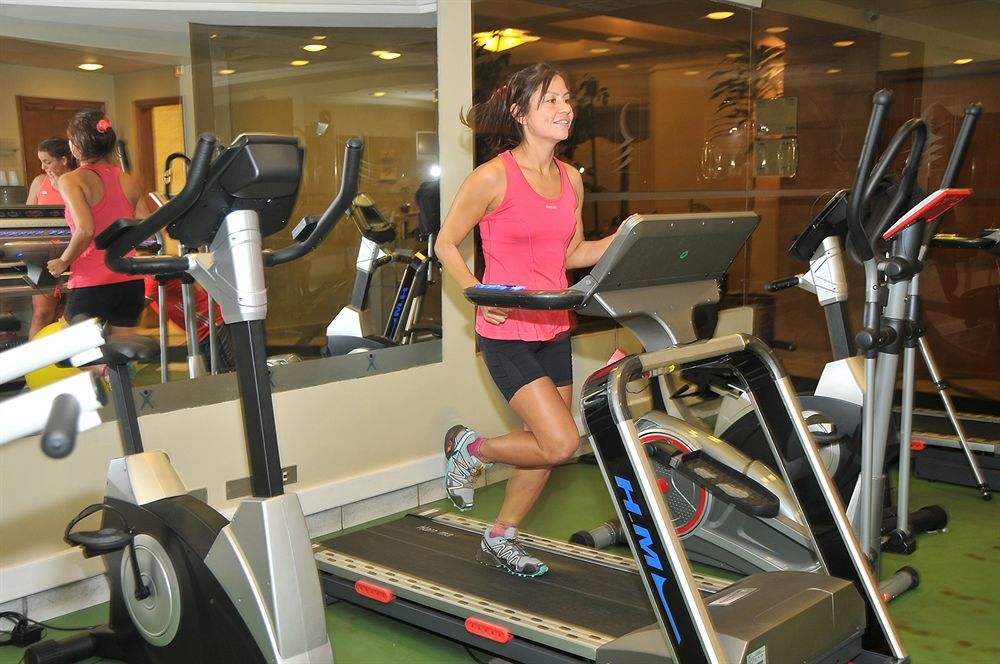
[(49, 195), (524, 244), (89, 269)]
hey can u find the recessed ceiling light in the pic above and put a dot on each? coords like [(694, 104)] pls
[(616, 39), (963, 61), (314, 48), (899, 54), (719, 16), (319, 37), (378, 93), (844, 43), (90, 66), (299, 63), (213, 35), (600, 49), (778, 29), (624, 65), (227, 72), (691, 72), (734, 55), (832, 71), (386, 55)]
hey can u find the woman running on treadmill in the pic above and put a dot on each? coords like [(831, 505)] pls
[(97, 194), (528, 206)]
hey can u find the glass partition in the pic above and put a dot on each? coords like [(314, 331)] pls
[(690, 106)]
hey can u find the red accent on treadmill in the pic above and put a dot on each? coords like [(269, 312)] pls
[(702, 499), (929, 209), (488, 630), (917, 445), (662, 484), (373, 591)]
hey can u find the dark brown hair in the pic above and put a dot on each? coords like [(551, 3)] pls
[(58, 148), (89, 140), (496, 127)]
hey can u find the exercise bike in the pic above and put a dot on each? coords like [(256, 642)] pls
[(351, 331), (187, 585)]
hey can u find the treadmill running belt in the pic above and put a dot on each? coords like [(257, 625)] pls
[(595, 597)]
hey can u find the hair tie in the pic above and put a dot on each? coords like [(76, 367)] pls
[(103, 124)]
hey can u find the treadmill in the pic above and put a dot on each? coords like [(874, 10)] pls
[(597, 607)]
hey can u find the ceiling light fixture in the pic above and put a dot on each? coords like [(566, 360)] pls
[(899, 54), (501, 40), (623, 65), (832, 71), (378, 93), (386, 55), (90, 66), (776, 30), (599, 50), (319, 37), (314, 48), (719, 16), (963, 61), (299, 63), (615, 39), (692, 72), (227, 72), (844, 43)]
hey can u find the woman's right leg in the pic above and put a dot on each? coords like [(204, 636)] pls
[(43, 312)]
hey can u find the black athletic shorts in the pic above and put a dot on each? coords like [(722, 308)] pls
[(514, 363), (118, 304)]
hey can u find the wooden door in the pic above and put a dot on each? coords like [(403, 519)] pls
[(42, 118), (155, 141)]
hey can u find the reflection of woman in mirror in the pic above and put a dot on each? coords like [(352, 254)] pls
[(527, 205), (56, 160), (97, 194)]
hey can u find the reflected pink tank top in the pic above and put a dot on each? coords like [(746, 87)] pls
[(524, 244), (89, 269), (49, 195)]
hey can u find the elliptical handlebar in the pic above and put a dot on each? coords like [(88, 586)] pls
[(855, 226), (972, 113), (329, 218), (916, 129), (125, 235)]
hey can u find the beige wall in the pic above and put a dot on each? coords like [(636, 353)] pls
[(39, 82)]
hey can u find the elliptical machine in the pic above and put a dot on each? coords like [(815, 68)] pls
[(186, 584)]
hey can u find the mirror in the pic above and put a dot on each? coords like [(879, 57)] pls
[(321, 84)]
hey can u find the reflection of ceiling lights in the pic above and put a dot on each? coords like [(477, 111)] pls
[(600, 50), (319, 37), (378, 93), (299, 63), (623, 65), (899, 54), (734, 55), (719, 16), (501, 40), (90, 66), (844, 43), (227, 72), (314, 48), (962, 61), (616, 39), (691, 72), (776, 30), (386, 55), (832, 71)]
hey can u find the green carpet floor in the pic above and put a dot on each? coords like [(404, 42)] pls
[(954, 616)]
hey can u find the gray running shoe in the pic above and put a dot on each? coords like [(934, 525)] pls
[(507, 553), (462, 468)]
